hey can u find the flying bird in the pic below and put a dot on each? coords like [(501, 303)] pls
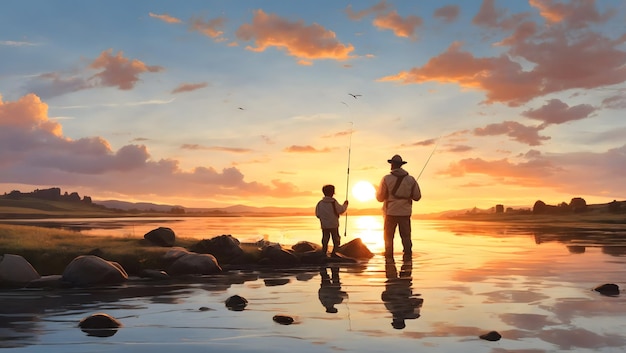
[(354, 95), (240, 108)]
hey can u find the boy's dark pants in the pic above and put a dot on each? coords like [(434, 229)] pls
[(328, 233)]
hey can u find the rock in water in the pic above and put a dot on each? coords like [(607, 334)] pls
[(236, 303), (283, 319), (16, 270), (99, 325), (90, 270), (491, 336), (609, 289)]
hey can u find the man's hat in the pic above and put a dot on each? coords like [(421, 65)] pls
[(396, 159)]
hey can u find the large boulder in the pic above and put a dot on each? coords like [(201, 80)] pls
[(174, 253), (16, 271), (192, 263), (305, 246), (312, 257), (91, 270), (276, 255), (161, 236), (225, 248), (355, 249)]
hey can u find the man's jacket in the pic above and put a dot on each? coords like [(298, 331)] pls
[(398, 190)]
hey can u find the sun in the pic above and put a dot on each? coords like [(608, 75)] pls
[(364, 191)]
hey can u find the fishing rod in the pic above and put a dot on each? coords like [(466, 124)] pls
[(428, 160), (345, 229)]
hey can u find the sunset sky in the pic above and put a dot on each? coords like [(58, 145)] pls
[(217, 103)]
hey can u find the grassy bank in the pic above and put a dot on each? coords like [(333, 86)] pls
[(50, 250)]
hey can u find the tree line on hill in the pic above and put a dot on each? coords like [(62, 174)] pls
[(576, 205), (52, 194)]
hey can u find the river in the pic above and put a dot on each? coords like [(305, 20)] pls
[(533, 286)]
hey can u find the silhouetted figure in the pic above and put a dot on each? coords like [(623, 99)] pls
[(398, 295), (397, 191), (354, 95), (328, 211), (330, 293)]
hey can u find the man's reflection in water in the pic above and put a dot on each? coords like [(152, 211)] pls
[(398, 295), (330, 292)]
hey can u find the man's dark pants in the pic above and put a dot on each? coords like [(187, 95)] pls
[(403, 223)]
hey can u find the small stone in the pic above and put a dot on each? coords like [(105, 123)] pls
[(99, 325), (491, 336), (609, 289), (236, 303), (204, 308), (283, 319)]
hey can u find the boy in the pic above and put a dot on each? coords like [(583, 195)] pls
[(328, 211)]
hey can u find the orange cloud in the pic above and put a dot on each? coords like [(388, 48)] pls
[(211, 28), (385, 18), (521, 133), (557, 112), (188, 87), (558, 62), (305, 149), (378, 8), (401, 27), (428, 142), (575, 14), (601, 171), (119, 71), (28, 115), (197, 147), (524, 173), (447, 13), (489, 16), (165, 18), (339, 134), (33, 151), (502, 79), (304, 42), (459, 148)]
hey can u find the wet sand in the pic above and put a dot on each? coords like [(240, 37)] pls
[(463, 281)]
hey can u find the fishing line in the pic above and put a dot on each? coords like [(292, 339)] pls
[(428, 160)]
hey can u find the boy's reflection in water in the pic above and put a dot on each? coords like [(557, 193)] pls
[(330, 293), (398, 294)]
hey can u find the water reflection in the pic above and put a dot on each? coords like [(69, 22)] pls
[(398, 294), (611, 241), (537, 294), (330, 293)]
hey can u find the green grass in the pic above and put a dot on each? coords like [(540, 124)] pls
[(51, 250), (32, 207)]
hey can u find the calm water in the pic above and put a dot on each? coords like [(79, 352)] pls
[(532, 286)]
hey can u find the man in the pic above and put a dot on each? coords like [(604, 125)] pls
[(398, 190)]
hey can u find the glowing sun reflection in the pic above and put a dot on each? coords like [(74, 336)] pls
[(370, 230)]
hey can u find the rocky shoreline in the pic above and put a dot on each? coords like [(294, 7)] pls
[(206, 257)]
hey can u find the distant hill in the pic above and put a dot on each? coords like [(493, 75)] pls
[(52, 202), (141, 206)]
